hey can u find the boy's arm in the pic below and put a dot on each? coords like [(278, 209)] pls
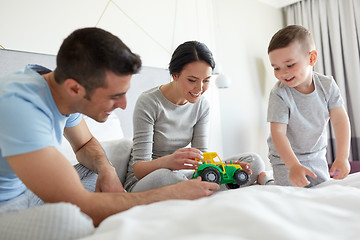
[(90, 154), (340, 122), (297, 172)]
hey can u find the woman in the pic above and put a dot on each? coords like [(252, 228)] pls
[(169, 118)]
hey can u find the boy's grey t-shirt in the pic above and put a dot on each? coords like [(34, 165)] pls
[(306, 116), (162, 127)]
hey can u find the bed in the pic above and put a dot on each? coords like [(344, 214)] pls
[(328, 211)]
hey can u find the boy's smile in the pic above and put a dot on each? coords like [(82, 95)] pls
[(293, 67)]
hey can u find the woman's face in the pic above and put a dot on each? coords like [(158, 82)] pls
[(193, 81)]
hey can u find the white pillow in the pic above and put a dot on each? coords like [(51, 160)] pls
[(107, 131)]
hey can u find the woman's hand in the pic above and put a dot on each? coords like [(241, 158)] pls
[(245, 166), (182, 158)]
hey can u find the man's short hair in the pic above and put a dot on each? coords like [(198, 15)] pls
[(285, 36), (88, 53)]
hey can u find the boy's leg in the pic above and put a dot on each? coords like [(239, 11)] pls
[(320, 168), (281, 175)]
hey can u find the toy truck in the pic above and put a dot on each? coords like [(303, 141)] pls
[(212, 169)]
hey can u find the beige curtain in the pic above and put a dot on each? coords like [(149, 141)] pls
[(335, 25)]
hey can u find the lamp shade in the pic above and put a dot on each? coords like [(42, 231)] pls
[(222, 81)]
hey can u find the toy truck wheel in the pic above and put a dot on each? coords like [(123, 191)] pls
[(241, 177), (232, 186), (211, 175)]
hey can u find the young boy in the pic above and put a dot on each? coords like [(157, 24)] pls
[(300, 105)]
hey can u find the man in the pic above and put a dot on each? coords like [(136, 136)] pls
[(37, 107)]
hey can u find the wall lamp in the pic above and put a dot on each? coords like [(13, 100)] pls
[(221, 81)]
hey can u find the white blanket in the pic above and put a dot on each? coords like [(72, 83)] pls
[(329, 211)]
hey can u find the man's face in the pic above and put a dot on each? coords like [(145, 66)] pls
[(105, 100)]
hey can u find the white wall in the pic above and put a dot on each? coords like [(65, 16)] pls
[(237, 31), (244, 31)]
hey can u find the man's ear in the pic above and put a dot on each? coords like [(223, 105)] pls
[(313, 57), (73, 88), (175, 76)]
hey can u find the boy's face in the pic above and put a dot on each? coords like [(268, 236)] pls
[(293, 66)]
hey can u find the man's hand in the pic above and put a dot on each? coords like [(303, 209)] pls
[(340, 169), (108, 181), (193, 189), (298, 174)]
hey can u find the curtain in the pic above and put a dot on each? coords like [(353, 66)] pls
[(335, 25)]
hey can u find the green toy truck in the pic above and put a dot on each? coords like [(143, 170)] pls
[(212, 169)]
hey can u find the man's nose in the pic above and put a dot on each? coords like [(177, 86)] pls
[(121, 103)]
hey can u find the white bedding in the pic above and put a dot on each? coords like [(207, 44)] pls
[(329, 211)]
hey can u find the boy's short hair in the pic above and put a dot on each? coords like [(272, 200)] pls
[(87, 54), (287, 35)]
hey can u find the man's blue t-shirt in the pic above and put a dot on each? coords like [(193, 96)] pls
[(29, 121)]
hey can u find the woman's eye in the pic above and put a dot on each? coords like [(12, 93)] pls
[(190, 80), (291, 65)]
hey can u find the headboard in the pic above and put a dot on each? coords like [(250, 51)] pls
[(148, 77)]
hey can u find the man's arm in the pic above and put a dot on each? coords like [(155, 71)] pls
[(340, 122), (90, 154), (50, 176)]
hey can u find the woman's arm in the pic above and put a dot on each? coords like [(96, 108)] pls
[(180, 159), (145, 116)]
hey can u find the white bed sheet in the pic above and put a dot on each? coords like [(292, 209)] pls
[(329, 211)]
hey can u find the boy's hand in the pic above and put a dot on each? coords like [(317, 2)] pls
[(340, 169), (298, 174)]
